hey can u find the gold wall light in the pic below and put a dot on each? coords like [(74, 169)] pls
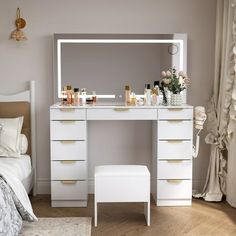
[(20, 23)]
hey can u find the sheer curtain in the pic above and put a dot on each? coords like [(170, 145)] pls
[(218, 181)]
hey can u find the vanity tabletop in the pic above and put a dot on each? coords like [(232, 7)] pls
[(117, 105)]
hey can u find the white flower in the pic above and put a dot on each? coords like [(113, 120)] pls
[(181, 73), (181, 80), (163, 73), (168, 73)]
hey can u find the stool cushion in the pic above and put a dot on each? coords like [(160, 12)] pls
[(121, 170)]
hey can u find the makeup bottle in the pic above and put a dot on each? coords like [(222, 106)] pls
[(127, 94), (76, 97), (83, 95), (69, 95), (148, 97), (94, 97), (63, 96)]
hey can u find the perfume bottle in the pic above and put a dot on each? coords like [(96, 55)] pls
[(127, 94)]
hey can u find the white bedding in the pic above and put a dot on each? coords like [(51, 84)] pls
[(20, 167)]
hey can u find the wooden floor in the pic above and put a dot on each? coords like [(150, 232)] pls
[(216, 219)]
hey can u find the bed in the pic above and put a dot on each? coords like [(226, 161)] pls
[(18, 174)]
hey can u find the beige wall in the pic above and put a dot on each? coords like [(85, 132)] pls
[(21, 62)]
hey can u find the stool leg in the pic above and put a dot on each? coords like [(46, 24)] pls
[(95, 213), (147, 212)]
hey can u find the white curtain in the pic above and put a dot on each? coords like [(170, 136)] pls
[(231, 175), (219, 106)]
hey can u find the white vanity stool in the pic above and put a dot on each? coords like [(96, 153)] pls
[(122, 183)]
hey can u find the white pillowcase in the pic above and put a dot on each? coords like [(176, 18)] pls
[(23, 144), (10, 130)]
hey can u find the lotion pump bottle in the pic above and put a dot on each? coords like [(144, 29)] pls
[(148, 95)]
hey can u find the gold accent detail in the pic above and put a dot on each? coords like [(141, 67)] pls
[(68, 162), (174, 141), (121, 109), (175, 121), (68, 181), (174, 181), (67, 121), (67, 141), (174, 161), (67, 109)]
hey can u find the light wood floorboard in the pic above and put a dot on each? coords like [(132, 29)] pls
[(121, 219)]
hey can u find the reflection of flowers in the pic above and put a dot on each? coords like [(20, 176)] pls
[(175, 82)]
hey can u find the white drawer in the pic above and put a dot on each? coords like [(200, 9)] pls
[(68, 130), (68, 170), (67, 114), (174, 149), (175, 113), (69, 190), (174, 189), (174, 169), (175, 129), (68, 150), (122, 113)]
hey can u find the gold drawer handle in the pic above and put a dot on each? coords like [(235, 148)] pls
[(67, 141), (174, 181), (174, 161), (175, 109), (68, 181), (174, 141), (68, 162), (121, 109), (175, 121), (67, 121), (67, 109)]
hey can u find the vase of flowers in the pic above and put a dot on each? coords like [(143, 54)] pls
[(175, 83)]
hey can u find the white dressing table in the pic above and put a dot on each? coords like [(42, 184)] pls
[(172, 132)]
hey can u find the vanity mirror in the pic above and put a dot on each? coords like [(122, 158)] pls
[(106, 63)]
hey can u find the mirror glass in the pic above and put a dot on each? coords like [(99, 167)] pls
[(107, 63)]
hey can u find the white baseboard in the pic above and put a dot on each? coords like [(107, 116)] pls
[(43, 186)]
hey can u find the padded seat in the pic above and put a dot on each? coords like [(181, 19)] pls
[(122, 183)]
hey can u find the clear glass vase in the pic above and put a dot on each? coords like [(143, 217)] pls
[(176, 99)]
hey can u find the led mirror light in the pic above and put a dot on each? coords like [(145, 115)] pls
[(114, 41)]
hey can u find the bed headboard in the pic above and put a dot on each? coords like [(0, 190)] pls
[(16, 109), (23, 104)]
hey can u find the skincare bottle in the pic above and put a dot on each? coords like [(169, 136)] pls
[(127, 94), (69, 95), (148, 95), (76, 97), (133, 100), (83, 95), (154, 97)]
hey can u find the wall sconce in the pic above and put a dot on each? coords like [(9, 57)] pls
[(20, 23)]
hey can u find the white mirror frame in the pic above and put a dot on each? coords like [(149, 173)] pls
[(180, 39)]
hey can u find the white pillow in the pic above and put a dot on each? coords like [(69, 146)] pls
[(10, 130), (23, 144)]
